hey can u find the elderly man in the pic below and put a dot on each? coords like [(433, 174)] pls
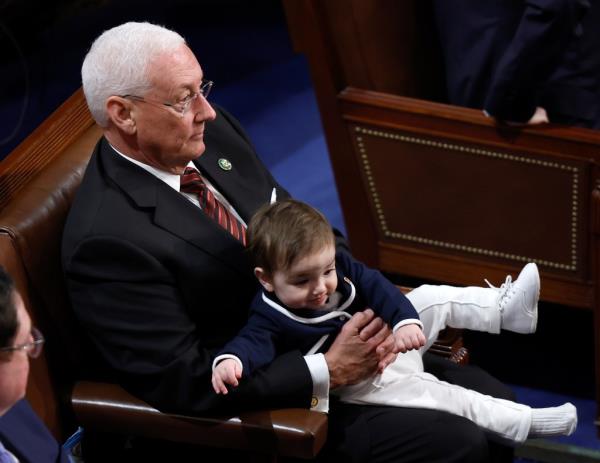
[(23, 437), (153, 253)]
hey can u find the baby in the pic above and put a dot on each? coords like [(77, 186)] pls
[(311, 290)]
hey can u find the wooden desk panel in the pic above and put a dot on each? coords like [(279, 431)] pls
[(456, 197), (440, 187)]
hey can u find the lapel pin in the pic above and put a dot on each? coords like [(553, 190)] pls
[(224, 164)]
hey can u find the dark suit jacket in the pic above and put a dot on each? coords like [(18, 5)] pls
[(510, 56), (159, 286), (26, 437)]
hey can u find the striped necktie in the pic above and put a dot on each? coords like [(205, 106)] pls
[(191, 182)]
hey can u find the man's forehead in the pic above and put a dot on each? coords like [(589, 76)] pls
[(174, 69)]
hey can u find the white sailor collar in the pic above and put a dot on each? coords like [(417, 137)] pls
[(337, 312)]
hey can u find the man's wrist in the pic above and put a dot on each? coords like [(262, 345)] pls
[(333, 378)]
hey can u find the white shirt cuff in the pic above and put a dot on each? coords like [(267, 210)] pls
[(227, 356), (319, 373), (408, 321)]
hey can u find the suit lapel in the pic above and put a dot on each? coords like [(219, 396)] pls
[(178, 215), (228, 182), (244, 184), (172, 211)]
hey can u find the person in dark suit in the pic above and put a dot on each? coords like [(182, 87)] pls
[(23, 436), (154, 259), (523, 61)]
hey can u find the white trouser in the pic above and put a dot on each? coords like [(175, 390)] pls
[(405, 384)]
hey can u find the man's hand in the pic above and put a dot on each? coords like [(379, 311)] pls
[(363, 347), (409, 337), (540, 116), (227, 371)]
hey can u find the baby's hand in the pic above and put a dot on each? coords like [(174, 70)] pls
[(409, 337), (227, 371)]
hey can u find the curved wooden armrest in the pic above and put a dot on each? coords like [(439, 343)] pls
[(290, 432)]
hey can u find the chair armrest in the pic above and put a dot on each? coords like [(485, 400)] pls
[(292, 432)]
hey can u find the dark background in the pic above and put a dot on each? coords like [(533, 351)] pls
[(43, 43)]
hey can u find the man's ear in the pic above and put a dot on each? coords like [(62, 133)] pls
[(264, 278), (119, 111)]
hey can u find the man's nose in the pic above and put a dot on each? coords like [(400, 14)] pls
[(205, 111)]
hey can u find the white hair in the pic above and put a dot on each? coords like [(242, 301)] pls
[(118, 60)]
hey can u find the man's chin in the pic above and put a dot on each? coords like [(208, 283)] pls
[(197, 148), (193, 148)]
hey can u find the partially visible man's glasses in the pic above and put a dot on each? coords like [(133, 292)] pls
[(182, 107), (32, 348)]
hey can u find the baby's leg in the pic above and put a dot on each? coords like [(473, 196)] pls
[(509, 420), (459, 307), (513, 306)]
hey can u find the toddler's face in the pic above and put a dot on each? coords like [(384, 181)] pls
[(309, 281)]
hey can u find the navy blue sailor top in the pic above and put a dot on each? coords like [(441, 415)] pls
[(273, 328)]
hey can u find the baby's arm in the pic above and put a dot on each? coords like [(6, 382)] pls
[(409, 337), (227, 371)]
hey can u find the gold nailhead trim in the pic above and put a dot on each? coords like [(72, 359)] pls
[(480, 152)]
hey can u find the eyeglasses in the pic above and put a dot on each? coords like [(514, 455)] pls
[(33, 348), (182, 107)]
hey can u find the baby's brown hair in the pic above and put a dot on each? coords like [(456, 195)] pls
[(282, 232)]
